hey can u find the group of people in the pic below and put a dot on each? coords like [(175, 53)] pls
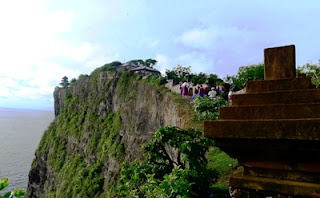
[(186, 89)]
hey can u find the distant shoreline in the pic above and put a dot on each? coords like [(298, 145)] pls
[(18, 109)]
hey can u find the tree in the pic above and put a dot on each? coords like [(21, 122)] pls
[(174, 166), (64, 82), (73, 80), (252, 72), (138, 62), (150, 62), (198, 78), (311, 70), (179, 73), (182, 72), (116, 63)]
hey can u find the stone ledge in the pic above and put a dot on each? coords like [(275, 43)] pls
[(275, 185), (279, 97), (261, 86), (274, 111), (295, 129)]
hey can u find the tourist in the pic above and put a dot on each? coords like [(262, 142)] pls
[(196, 90), (230, 96), (202, 91), (180, 84), (218, 88), (190, 91), (212, 94), (184, 87)]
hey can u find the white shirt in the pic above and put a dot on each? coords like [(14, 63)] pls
[(212, 94)]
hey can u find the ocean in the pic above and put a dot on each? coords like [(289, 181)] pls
[(20, 134)]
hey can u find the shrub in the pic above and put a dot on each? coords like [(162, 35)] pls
[(207, 108), (17, 192)]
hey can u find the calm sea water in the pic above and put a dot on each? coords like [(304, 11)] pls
[(20, 134)]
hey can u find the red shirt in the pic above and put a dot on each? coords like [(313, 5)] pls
[(202, 90)]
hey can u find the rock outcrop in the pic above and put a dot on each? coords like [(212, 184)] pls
[(101, 121)]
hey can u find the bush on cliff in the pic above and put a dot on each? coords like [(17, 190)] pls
[(174, 166), (207, 108)]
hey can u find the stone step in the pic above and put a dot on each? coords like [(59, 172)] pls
[(277, 111), (281, 129), (299, 189), (261, 86), (280, 97)]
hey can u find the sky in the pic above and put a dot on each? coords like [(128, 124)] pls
[(43, 40)]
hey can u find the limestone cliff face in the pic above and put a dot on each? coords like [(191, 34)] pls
[(101, 121)]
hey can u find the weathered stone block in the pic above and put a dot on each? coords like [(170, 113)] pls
[(279, 62), (272, 129), (261, 86), (276, 111), (280, 97)]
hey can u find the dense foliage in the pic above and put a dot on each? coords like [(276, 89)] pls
[(179, 73), (106, 67), (207, 108), (64, 82), (174, 166), (16, 193), (148, 62), (311, 70), (251, 72)]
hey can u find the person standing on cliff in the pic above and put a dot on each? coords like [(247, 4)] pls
[(184, 87), (180, 84), (230, 96), (202, 91), (212, 94)]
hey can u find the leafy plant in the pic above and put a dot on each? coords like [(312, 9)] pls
[(174, 166), (16, 193), (207, 108), (179, 73), (251, 72), (311, 70)]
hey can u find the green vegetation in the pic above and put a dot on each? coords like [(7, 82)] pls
[(208, 109), (18, 193), (174, 166), (251, 72), (80, 144), (64, 82), (179, 73), (311, 70), (148, 62)]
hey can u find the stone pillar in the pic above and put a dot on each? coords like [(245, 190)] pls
[(279, 62), (273, 130)]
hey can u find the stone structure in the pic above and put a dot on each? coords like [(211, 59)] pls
[(144, 70), (273, 129)]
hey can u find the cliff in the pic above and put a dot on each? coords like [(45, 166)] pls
[(101, 121)]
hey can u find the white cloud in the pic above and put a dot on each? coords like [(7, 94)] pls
[(153, 43), (82, 53), (99, 60), (197, 38), (30, 38), (163, 63), (198, 62)]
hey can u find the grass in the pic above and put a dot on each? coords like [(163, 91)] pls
[(223, 166)]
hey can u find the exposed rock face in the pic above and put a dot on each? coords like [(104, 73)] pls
[(123, 110)]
